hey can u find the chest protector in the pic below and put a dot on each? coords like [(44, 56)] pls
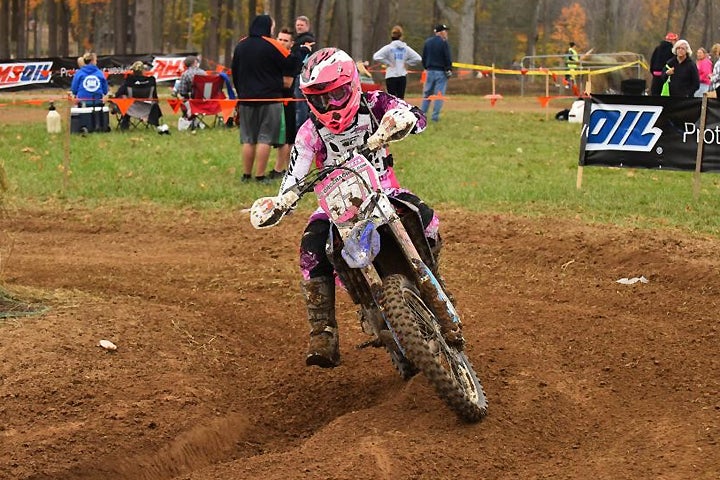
[(356, 136)]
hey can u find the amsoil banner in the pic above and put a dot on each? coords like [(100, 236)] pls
[(57, 72), (650, 132)]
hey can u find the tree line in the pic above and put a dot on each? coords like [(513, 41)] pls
[(481, 31)]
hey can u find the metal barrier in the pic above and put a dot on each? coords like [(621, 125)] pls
[(587, 65)]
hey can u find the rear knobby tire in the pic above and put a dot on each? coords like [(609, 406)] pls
[(448, 370)]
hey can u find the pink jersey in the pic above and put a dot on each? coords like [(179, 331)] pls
[(705, 68)]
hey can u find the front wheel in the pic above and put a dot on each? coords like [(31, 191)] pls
[(448, 370)]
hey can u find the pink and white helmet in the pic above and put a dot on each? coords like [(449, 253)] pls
[(331, 83)]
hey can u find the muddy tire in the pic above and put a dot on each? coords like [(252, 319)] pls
[(449, 371)]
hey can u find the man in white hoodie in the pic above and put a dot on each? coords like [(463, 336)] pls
[(394, 56)]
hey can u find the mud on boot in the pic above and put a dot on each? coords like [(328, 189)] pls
[(323, 350)]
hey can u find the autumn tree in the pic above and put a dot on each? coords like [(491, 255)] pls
[(570, 27)]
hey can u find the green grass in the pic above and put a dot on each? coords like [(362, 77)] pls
[(488, 160)]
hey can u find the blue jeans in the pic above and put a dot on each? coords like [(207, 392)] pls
[(435, 82), (302, 111)]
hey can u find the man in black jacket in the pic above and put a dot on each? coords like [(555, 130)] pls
[(258, 66), (658, 60)]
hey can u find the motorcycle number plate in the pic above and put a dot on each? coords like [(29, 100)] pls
[(342, 192)]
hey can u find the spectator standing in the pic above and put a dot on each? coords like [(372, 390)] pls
[(683, 73), (258, 65), (296, 59), (572, 60), (660, 56), (89, 85), (704, 67), (437, 62), (303, 36), (150, 111), (394, 56), (715, 78)]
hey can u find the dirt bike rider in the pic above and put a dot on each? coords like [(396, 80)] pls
[(344, 118)]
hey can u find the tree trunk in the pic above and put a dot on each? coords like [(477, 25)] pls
[(464, 24), (5, 28), (690, 6), (252, 9), (668, 21), (278, 15), (19, 27), (357, 12), (532, 31), (379, 28), (212, 32), (52, 22), (320, 24), (230, 37), (143, 24), (120, 8), (64, 22), (158, 21)]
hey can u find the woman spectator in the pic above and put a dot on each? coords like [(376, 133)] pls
[(144, 87), (715, 77), (89, 86), (683, 73), (704, 67), (394, 56)]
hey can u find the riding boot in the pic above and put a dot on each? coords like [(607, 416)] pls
[(451, 331), (323, 350)]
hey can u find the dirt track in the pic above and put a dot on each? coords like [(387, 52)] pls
[(586, 378)]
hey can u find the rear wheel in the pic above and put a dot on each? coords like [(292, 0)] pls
[(449, 371)]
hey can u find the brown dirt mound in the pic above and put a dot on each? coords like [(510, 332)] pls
[(586, 378)]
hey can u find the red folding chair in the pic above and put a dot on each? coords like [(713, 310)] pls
[(206, 90)]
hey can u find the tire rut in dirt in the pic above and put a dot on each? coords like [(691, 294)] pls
[(451, 375)]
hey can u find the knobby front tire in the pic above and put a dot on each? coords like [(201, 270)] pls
[(449, 371)]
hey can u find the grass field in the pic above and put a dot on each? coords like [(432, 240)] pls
[(505, 159)]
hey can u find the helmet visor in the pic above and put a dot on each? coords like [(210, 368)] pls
[(331, 100)]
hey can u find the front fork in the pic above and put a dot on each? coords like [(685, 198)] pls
[(431, 290)]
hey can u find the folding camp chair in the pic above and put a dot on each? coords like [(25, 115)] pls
[(206, 90), (139, 111)]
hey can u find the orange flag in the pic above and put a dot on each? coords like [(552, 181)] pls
[(544, 101), (174, 104), (123, 104), (227, 106)]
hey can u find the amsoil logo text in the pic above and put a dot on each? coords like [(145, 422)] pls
[(623, 127), (18, 74), (167, 68)]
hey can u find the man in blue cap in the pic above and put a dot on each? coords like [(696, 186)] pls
[(437, 62)]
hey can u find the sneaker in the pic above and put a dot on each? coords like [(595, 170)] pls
[(274, 174), (323, 350), (262, 179), (246, 178)]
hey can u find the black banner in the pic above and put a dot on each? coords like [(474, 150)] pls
[(650, 132), (57, 72)]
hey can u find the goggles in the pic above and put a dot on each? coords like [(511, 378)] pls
[(332, 100)]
